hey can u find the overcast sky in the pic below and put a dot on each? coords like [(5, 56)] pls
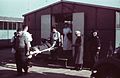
[(16, 8)]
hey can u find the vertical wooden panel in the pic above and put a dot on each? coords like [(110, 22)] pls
[(105, 18), (45, 26), (78, 24), (117, 29), (106, 27)]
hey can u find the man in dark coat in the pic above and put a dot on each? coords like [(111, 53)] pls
[(22, 49), (78, 56), (94, 47)]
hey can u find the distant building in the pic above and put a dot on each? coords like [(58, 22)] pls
[(83, 17), (8, 26)]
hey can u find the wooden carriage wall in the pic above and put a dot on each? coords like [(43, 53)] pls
[(84, 17)]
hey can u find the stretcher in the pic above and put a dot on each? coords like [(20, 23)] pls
[(37, 51)]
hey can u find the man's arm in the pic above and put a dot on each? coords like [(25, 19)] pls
[(27, 45), (53, 45)]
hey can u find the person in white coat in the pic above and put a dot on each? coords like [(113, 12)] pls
[(67, 41)]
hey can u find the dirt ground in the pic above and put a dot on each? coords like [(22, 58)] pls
[(40, 69)]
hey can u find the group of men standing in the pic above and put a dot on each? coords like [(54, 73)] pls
[(21, 44), (77, 56)]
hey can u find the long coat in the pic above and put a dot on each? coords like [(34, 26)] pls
[(20, 54), (78, 56), (67, 44), (94, 44)]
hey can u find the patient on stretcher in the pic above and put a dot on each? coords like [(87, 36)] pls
[(44, 47)]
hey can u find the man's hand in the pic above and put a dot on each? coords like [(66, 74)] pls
[(51, 48), (28, 53), (98, 48), (97, 53)]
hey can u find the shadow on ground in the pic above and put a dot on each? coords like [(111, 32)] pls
[(8, 68), (32, 74)]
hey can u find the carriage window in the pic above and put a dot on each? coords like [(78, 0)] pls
[(7, 29), (5, 26), (14, 26), (1, 25), (10, 26)]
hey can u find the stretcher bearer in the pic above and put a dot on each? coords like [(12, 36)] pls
[(55, 38), (29, 38), (21, 47), (27, 34)]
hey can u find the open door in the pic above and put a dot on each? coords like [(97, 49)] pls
[(78, 24), (45, 26), (117, 29)]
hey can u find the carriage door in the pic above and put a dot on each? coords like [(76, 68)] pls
[(45, 26), (117, 29), (78, 24)]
